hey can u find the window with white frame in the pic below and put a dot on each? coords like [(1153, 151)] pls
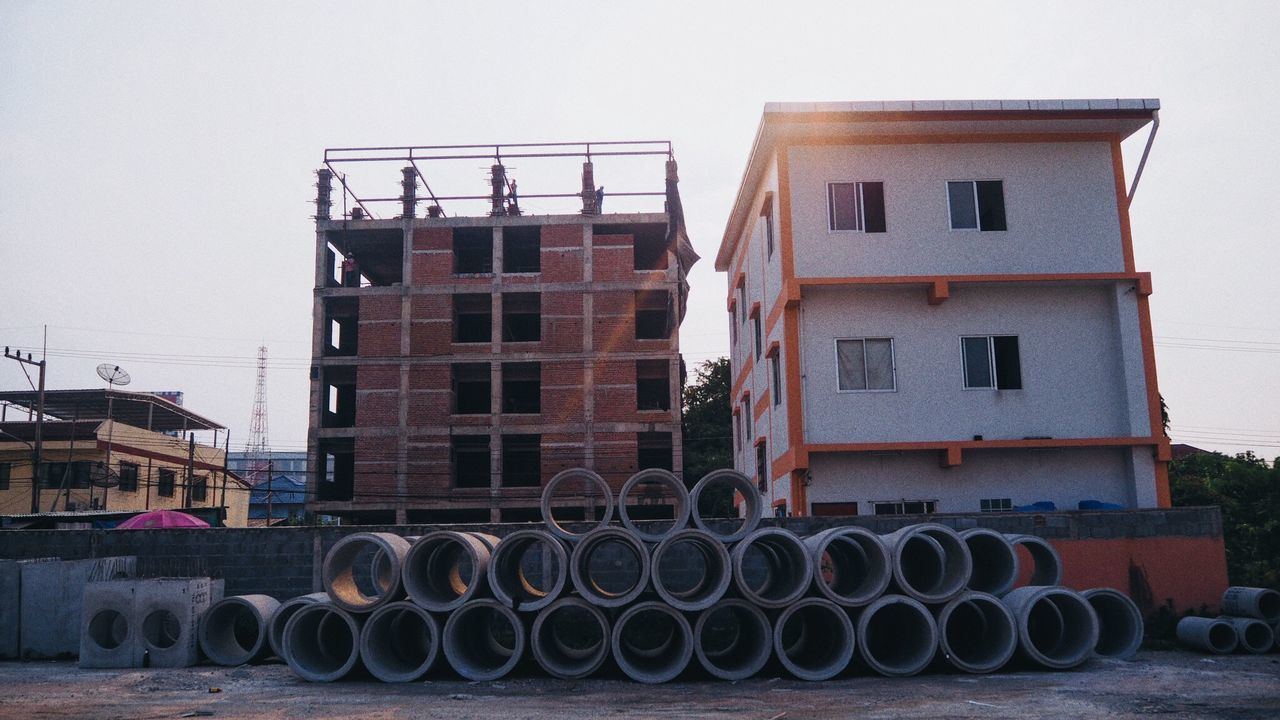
[(996, 504), (905, 507), (991, 362), (865, 364), (976, 204), (856, 206)]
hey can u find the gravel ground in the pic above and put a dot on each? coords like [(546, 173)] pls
[(1167, 683)]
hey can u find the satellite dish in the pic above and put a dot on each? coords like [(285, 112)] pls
[(113, 374), (102, 476)]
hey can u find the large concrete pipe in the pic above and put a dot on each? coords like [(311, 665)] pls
[(1255, 636), (445, 569), (772, 567), (234, 630), (322, 642), (528, 570), (1213, 635), (484, 640), (1120, 624), (1253, 602), (814, 639), (733, 639), (691, 570), (353, 592), (652, 642), (1057, 627), (995, 561), (275, 629), (851, 565), (931, 562), (570, 638), (610, 567), (899, 636), (977, 633), (581, 475), (648, 488), (382, 569), (400, 642), (1046, 564), (727, 482)]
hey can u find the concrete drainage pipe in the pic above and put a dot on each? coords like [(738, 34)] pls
[(322, 642), (275, 629), (1120, 625), (1046, 565), (1213, 635), (610, 567), (234, 630), (357, 593), (1255, 636), (1252, 602), (691, 570), (528, 570), (851, 565), (995, 561), (899, 636), (647, 486), (445, 569), (772, 567), (977, 633), (400, 642), (715, 483), (570, 638), (931, 562), (733, 639), (814, 639), (1057, 627), (652, 642), (484, 640), (382, 570), (589, 479)]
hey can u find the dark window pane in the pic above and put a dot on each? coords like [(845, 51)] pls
[(964, 216), (851, 365), (873, 206), (762, 468), (977, 363), (522, 249), (991, 204), (654, 450), (521, 460), (1008, 365), (843, 202), (470, 461), (756, 328)]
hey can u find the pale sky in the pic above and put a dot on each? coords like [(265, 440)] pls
[(156, 158)]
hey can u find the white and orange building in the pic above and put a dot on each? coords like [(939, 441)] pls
[(935, 308)]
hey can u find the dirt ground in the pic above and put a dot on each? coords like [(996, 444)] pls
[(1171, 684)]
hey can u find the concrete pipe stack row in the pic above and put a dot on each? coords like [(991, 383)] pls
[(690, 594), (1249, 623)]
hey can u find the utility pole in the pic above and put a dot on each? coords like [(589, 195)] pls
[(270, 472), (35, 450)]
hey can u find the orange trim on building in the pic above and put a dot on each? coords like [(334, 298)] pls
[(933, 280), (949, 445), (774, 348), (799, 458), (743, 374), (1122, 205), (950, 138), (755, 311), (774, 313), (939, 292), (761, 405)]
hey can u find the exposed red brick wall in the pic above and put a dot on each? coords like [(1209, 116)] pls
[(377, 409), (430, 407), (378, 331), (375, 467), (378, 377), (612, 257), (561, 236), (561, 452), (430, 338), (433, 239), (562, 396)]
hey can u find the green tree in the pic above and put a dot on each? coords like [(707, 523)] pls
[(707, 423), (1248, 492)]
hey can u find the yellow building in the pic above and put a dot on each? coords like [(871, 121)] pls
[(114, 451)]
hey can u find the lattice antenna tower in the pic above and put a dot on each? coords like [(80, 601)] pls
[(256, 449)]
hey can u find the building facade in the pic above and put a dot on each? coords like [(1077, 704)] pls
[(935, 308), (461, 362)]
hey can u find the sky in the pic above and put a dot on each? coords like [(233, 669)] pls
[(157, 159)]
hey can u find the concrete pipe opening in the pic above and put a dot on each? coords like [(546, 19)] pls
[(610, 567), (233, 631), (589, 500), (1057, 627), (713, 497), (445, 569), (400, 642), (931, 562), (1120, 624), (814, 639), (275, 628), (995, 561), (570, 638), (109, 629), (656, 495), (528, 570), (1255, 636), (899, 636), (652, 642), (691, 570), (1212, 635), (350, 577), (1038, 562), (733, 639), (161, 629), (977, 633), (484, 640), (1252, 602), (851, 565), (322, 642), (772, 567)]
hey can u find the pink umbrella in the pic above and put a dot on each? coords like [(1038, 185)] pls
[(162, 519)]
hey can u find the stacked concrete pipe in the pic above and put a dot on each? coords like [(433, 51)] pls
[(236, 630), (995, 561), (931, 562), (1250, 623), (814, 639), (1212, 635), (484, 640), (570, 638), (652, 642), (339, 571), (733, 639), (1046, 564), (286, 609), (1120, 624), (851, 565), (399, 642), (1057, 627), (321, 642), (443, 570), (977, 633), (899, 636), (513, 581)]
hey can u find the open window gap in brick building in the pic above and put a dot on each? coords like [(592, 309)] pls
[(337, 469), (521, 317), (522, 249), (472, 318), (472, 388), (653, 385), (469, 456), (339, 401), (472, 251), (653, 314), (522, 388), (521, 460)]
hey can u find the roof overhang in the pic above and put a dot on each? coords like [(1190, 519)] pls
[(142, 410)]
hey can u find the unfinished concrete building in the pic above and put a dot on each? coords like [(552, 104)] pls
[(461, 361)]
